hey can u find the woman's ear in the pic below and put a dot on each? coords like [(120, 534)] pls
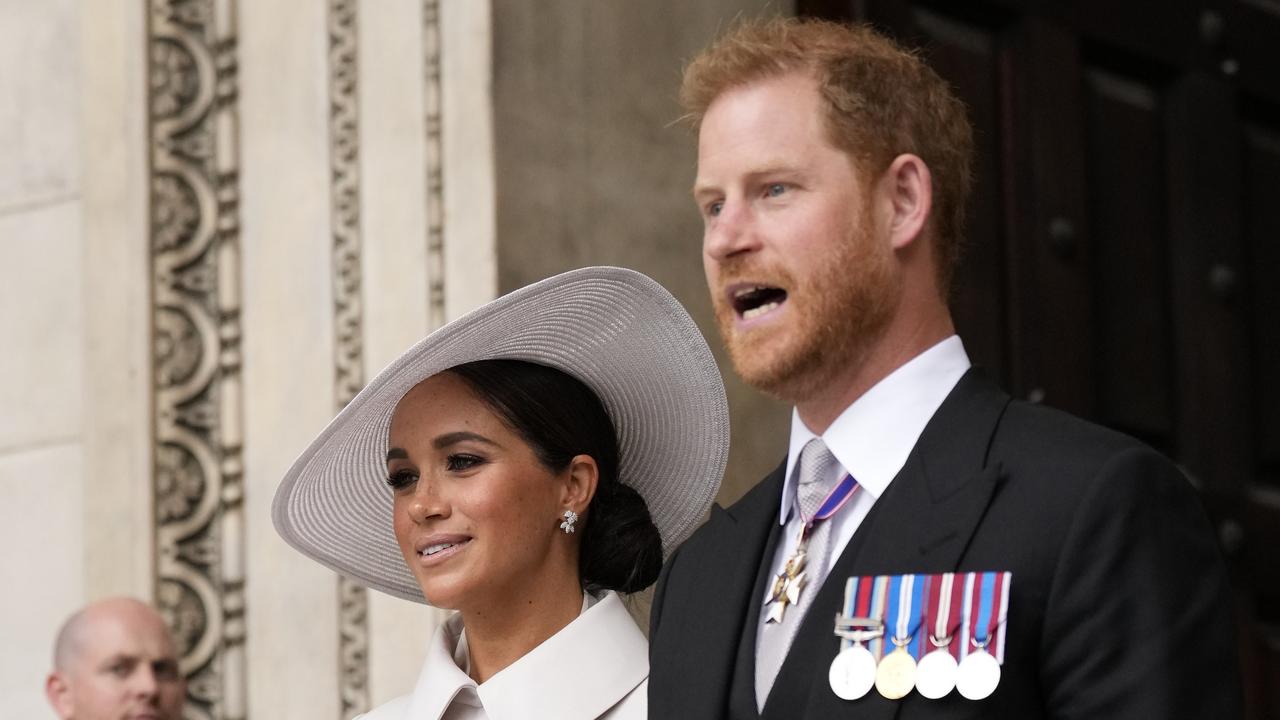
[(580, 483)]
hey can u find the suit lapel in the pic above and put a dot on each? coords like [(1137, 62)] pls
[(725, 572), (921, 524)]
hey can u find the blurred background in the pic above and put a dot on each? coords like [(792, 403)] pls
[(219, 218)]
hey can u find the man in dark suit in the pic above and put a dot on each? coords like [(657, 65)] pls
[(833, 170)]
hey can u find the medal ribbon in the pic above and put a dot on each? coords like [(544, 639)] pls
[(906, 594), (857, 601), (879, 599), (987, 607), (948, 606), (831, 505), (943, 616), (909, 620)]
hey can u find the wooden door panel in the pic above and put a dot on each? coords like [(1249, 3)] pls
[(1262, 227), (1123, 128), (1211, 343), (970, 54)]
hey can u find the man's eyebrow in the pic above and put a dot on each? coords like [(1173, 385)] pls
[(117, 658), (443, 441), (701, 188)]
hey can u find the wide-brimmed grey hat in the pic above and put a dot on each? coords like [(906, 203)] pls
[(618, 331)]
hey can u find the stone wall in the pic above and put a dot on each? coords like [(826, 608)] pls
[(42, 342), (219, 218), (592, 168)]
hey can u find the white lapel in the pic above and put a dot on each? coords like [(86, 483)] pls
[(441, 679), (580, 672)]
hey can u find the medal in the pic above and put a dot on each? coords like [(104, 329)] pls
[(789, 584), (853, 671), (896, 674), (987, 599), (936, 672), (978, 675)]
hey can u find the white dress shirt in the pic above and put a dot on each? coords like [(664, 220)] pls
[(595, 667), (872, 439)]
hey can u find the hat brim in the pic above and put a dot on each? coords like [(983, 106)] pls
[(616, 330)]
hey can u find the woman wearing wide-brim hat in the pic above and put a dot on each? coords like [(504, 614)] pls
[(522, 466)]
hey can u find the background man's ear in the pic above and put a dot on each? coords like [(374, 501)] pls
[(58, 691), (908, 185)]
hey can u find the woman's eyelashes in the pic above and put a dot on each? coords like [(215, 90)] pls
[(453, 463), (461, 462), (400, 479)]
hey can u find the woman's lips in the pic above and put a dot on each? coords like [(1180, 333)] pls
[(436, 550)]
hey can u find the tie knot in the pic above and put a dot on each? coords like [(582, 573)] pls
[(814, 476)]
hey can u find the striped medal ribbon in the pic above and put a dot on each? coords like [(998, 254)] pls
[(986, 599)]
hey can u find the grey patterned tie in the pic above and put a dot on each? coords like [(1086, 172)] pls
[(815, 482)]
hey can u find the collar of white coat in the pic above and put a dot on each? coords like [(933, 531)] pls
[(581, 671), (873, 437)]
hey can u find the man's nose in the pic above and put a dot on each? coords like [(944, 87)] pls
[(730, 233), (145, 682)]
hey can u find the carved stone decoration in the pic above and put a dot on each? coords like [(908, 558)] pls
[(348, 357), (432, 95), (194, 243)]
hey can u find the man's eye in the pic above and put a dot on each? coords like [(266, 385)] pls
[(460, 461), (120, 669), (401, 479), (775, 189), (165, 670), (714, 208)]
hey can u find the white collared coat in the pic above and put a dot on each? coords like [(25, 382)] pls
[(595, 667)]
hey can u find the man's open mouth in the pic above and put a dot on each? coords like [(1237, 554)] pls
[(756, 300)]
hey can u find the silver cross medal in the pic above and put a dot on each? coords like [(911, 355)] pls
[(788, 584)]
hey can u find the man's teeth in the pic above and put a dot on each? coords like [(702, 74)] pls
[(433, 549), (757, 311), (748, 291)]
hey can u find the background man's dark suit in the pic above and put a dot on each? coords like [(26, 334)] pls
[(1118, 606)]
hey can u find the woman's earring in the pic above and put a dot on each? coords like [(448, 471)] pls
[(570, 517)]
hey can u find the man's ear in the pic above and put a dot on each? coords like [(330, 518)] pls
[(580, 483), (907, 186), (58, 691)]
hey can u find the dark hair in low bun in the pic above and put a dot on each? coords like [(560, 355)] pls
[(560, 418)]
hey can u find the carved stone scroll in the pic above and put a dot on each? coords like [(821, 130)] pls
[(195, 340), (432, 95), (344, 176)]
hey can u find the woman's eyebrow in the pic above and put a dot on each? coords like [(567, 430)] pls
[(396, 453), (453, 438)]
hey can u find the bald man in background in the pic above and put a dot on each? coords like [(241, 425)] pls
[(115, 660)]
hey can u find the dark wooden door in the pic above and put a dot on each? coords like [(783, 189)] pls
[(1124, 244)]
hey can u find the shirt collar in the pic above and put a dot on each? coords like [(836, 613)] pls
[(602, 649), (873, 437)]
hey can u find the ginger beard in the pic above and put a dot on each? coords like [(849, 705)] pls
[(838, 312)]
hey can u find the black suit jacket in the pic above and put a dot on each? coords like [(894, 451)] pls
[(1119, 605)]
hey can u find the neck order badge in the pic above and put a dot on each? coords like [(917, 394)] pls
[(790, 583)]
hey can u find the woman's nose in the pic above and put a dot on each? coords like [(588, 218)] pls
[(427, 502)]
